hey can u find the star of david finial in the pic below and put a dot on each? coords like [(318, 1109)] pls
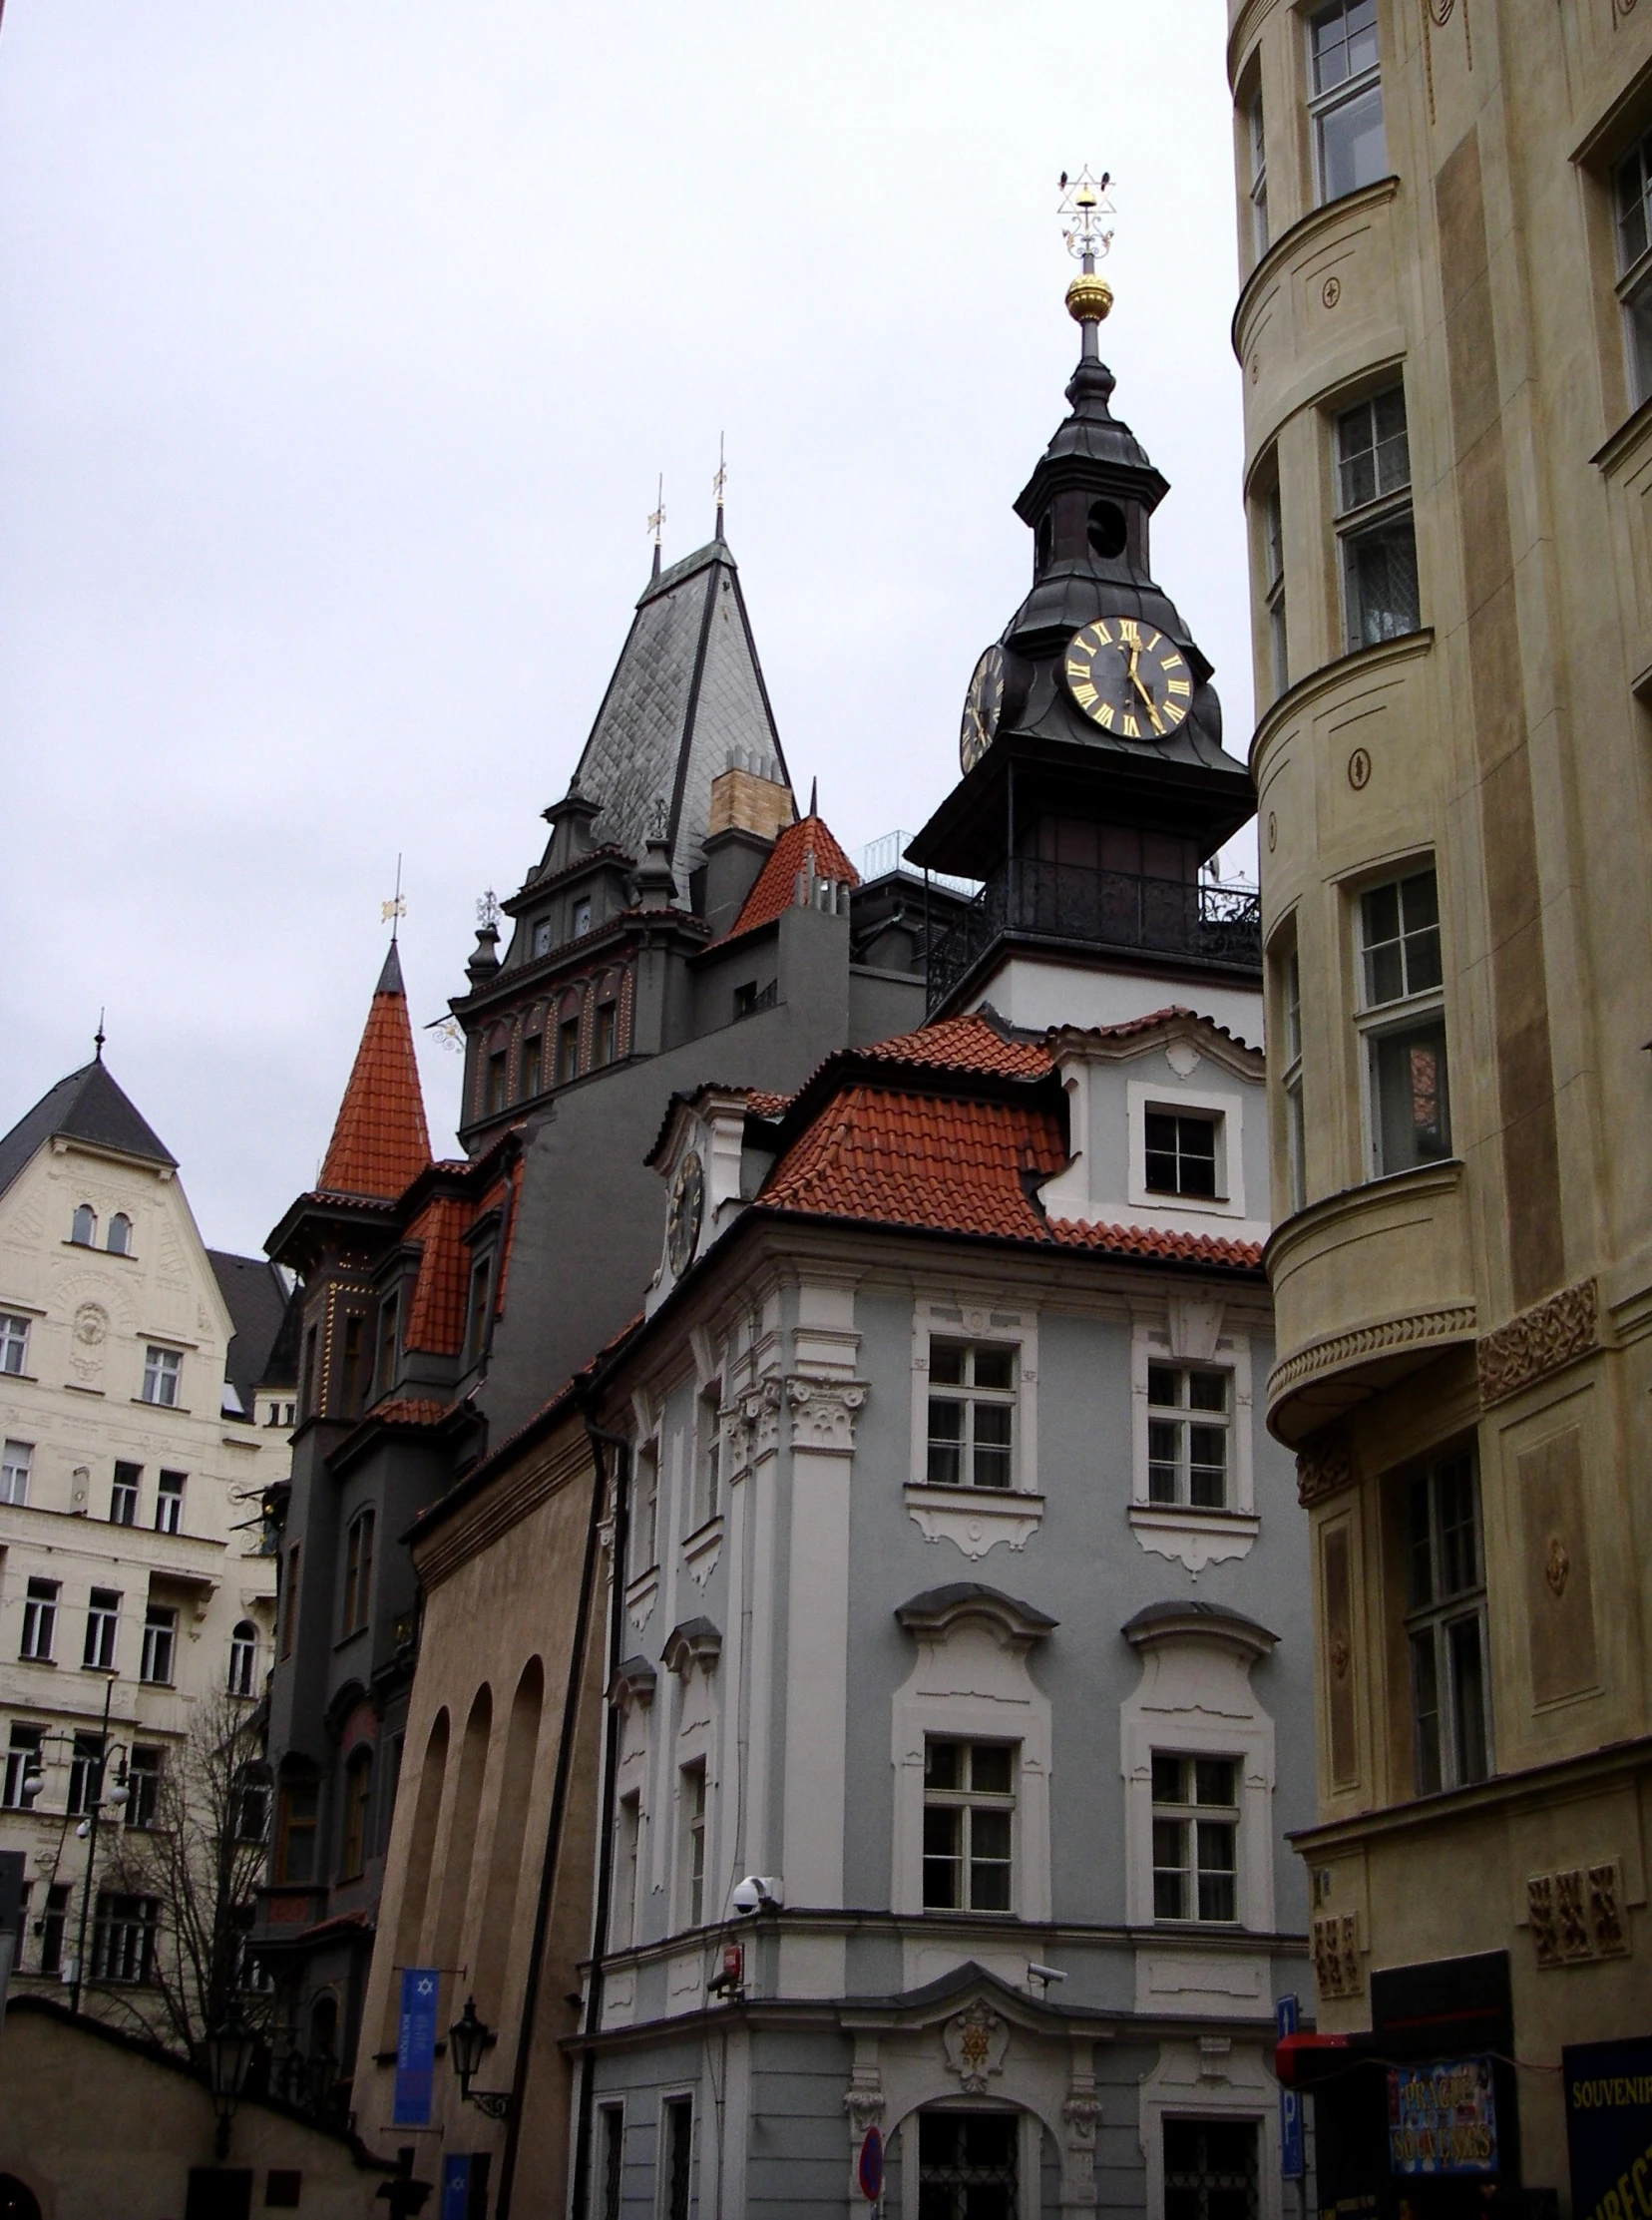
[(1084, 203)]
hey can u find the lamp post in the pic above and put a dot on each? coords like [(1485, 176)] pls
[(468, 2037), (34, 1780), (229, 2049)]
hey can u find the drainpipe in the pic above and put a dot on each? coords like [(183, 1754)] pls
[(605, 1839), (559, 1806)]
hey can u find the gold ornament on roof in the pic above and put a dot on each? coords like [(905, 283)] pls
[(1084, 204), (1088, 299)]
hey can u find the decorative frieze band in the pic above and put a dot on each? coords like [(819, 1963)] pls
[(1539, 1342), (1324, 1465), (1456, 1323)]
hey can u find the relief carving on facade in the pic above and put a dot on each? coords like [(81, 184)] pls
[(1336, 1946), (865, 2102), (1539, 1342), (1324, 1465), (86, 1353), (973, 2042), (1455, 1323), (823, 1414), (1576, 1916)]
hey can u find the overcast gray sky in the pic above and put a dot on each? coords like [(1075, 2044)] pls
[(342, 341)]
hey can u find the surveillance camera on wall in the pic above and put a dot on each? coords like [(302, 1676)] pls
[(1044, 1973), (758, 1892)]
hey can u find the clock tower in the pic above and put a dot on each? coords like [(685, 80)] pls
[(1096, 787)]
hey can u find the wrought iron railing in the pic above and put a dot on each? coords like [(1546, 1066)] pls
[(1204, 921)]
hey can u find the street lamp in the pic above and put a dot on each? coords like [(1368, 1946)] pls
[(116, 1795), (229, 2049), (468, 2037)]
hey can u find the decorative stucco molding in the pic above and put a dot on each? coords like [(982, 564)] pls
[(975, 1518), (695, 1643), (753, 1425), (864, 2103), (1081, 2109), (1539, 1342), (1390, 1337), (823, 1414), (1324, 1465), (937, 1611), (973, 2042)]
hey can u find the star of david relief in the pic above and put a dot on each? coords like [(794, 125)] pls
[(973, 2042)]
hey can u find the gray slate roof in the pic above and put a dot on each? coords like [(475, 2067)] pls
[(88, 1106), (257, 1299), (686, 698)]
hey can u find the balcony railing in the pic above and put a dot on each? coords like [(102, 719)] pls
[(1027, 897)]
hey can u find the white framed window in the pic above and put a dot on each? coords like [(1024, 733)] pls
[(1345, 98), (119, 1235), (645, 1510), (15, 1461), (691, 1847), (144, 1785), (169, 1503), (1258, 177), (123, 1943), (1195, 1837), (160, 1639), (161, 1370), (40, 1605), (1296, 1134), (708, 1450), (971, 1441), (1445, 1626), (1632, 195), (1401, 1022), (1273, 576), (628, 1840), (84, 1230), (244, 1659), (22, 1763), (1186, 1152), (1193, 1477), (123, 1495), (103, 1627), (1376, 533), (969, 1825), (14, 1343), (1189, 1436)]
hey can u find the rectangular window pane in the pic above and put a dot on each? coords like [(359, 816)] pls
[(991, 1445), (1469, 1700), (946, 1363), (1218, 1871), (1215, 1780), (1352, 147), (1207, 1466), (1380, 575), (1169, 1783), (943, 1764), (988, 1859), (990, 1768), (14, 1472), (942, 1831), (1413, 1110), (946, 1443), (1638, 312), (1632, 178), (1170, 1892), (14, 1342), (1420, 1551), (1426, 1711), (995, 1369), (1162, 1442), (1457, 1495)]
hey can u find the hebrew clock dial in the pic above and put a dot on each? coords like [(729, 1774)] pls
[(1128, 677), (982, 706), (682, 1223)]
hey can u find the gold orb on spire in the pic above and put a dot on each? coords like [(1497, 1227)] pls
[(1088, 299)]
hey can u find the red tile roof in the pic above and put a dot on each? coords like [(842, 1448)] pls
[(410, 1410), (1153, 1242), (380, 1143), (804, 846), (963, 1045), (765, 1106), (436, 1318)]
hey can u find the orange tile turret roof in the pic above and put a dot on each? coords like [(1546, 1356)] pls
[(381, 1143), (806, 845)]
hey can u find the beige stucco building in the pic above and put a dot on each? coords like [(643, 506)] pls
[(142, 1421), (1443, 333)]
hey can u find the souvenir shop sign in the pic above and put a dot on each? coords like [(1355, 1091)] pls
[(1442, 2118), (1609, 2128)]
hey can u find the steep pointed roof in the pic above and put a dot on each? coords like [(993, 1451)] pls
[(381, 1143), (88, 1107), (806, 845), (687, 700)]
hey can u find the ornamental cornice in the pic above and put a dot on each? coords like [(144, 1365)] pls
[(1390, 1337), (1539, 1341), (823, 1413)]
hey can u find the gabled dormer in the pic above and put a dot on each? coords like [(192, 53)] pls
[(701, 1160)]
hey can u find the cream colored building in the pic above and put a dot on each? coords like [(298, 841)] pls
[(1446, 332), (141, 1430)]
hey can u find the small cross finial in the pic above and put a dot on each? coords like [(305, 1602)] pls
[(392, 912), (718, 482), (656, 521), (97, 1036)]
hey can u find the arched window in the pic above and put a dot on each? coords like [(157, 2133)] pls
[(359, 1794), (244, 1659), (120, 1234), (85, 1226)]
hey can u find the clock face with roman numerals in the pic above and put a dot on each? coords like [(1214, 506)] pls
[(1128, 677)]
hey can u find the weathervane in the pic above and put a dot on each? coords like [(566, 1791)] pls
[(392, 912), (718, 482), (1084, 203), (656, 521), (487, 911)]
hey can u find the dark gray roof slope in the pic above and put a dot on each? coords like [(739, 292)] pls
[(686, 698), (257, 1299), (88, 1107)]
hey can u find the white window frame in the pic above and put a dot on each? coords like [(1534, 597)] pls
[(1190, 1333), (1341, 95), (1273, 582), (20, 1756), (119, 1489), (1256, 133), (967, 1801), (975, 1520), (160, 1648), (169, 1502), (39, 1637), (1634, 265), (244, 1660), (1434, 1622), (1386, 506), (1183, 1416), (1180, 2086), (16, 1469), (160, 1373), (693, 1828), (14, 1344), (1372, 1020), (1192, 1817), (971, 1684), (1227, 1110), (109, 1616)]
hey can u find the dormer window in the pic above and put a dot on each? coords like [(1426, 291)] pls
[(540, 937), (580, 917)]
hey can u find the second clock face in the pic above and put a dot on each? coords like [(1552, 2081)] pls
[(1128, 677), (982, 706), (682, 1221)]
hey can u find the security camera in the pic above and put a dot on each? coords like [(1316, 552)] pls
[(757, 1893), (1044, 1973)]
